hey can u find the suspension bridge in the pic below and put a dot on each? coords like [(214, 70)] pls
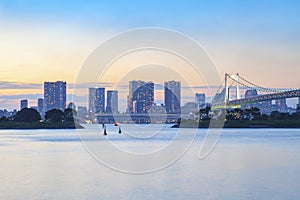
[(224, 99)]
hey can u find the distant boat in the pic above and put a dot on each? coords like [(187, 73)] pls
[(116, 124), (105, 133)]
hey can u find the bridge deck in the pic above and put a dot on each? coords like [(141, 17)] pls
[(266, 97)]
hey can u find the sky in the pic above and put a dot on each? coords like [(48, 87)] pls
[(50, 40)]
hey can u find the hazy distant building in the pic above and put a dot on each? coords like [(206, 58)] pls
[(200, 100), (281, 105), (54, 95), (23, 104), (112, 101), (265, 107), (249, 94), (82, 112), (40, 106), (92, 98), (72, 105), (96, 100), (141, 96), (189, 108), (172, 96)]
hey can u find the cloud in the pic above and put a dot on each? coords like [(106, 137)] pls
[(18, 85)]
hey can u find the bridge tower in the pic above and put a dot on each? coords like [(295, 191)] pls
[(235, 78)]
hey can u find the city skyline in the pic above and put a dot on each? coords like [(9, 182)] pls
[(236, 39), (98, 102)]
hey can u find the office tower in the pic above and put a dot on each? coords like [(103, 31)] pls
[(100, 100), (96, 100), (141, 96), (92, 92), (200, 99), (172, 96), (60, 95), (281, 105), (54, 95), (23, 104), (265, 107), (40, 106), (249, 94), (112, 101)]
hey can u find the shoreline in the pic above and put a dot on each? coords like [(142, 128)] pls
[(40, 125), (276, 124)]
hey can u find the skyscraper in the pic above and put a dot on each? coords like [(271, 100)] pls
[(172, 96), (23, 104), (112, 101), (100, 100), (200, 99), (40, 106), (54, 95), (96, 100), (60, 95), (92, 92), (141, 96)]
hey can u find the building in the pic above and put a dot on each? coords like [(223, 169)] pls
[(281, 105), (189, 108), (172, 96), (40, 106), (23, 104), (100, 100), (72, 105), (200, 100), (60, 94), (112, 101), (54, 95), (265, 107), (249, 94), (49, 96), (141, 96), (92, 92), (82, 112), (96, 100)]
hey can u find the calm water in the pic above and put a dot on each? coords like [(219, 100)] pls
[(55, 164)]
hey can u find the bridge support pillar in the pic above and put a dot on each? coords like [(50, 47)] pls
[(226, 99)]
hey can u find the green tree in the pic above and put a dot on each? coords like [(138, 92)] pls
[(54, 116), (275, 115), (3, 119), (70, 114), (27, 115)]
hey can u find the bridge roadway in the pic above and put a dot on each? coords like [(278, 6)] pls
[(265, 97)]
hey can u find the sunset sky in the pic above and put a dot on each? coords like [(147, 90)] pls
[(50, 40)]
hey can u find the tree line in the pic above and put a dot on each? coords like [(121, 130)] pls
[(30, 115), (250, 114)]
